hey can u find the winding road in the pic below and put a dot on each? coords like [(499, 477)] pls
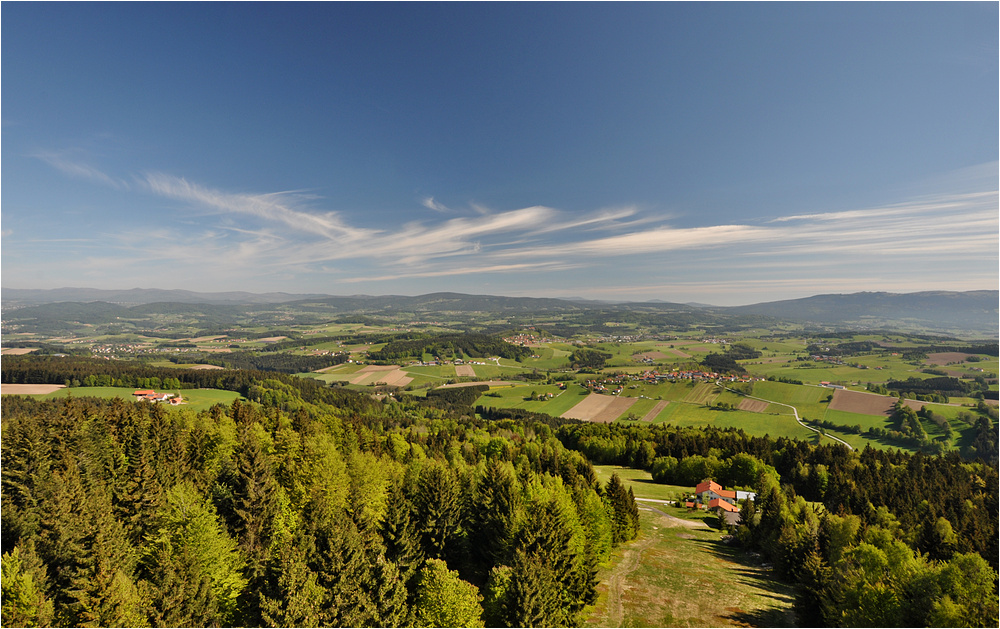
[(795, 412)]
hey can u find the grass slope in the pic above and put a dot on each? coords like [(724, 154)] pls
[(679, 573), (197, 399)]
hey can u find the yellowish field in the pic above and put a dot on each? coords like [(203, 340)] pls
[(465, 371), (600, 408), (389, 374), (490, 383), (17, 351), (30, 389)]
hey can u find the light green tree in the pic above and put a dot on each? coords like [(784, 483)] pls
[(445, 600)]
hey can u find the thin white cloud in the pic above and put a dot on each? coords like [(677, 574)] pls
[(276, 206), (431, 204), (63, 161)]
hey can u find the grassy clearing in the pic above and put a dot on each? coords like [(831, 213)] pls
[(676, 576), (514, 397), (641, 482), (809, 400), (640, 408), (197, 399)]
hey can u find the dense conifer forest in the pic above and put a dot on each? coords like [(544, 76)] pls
[(296, 513), (305, 505)]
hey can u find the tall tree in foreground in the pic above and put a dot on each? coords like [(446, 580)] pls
[(445, 600)]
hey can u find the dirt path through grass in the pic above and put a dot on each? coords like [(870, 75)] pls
[(631, 560), (680, 573)]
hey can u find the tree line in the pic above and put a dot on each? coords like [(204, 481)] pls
[(964, 492)]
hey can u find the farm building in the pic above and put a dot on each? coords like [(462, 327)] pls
[(152, 396), (709, 490)]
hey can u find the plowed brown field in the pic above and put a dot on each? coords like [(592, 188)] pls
[(651, 415), (599, 408), (866, 403), (943, 358), (649, 355), (389, 374), (754, 406), (30, 389)]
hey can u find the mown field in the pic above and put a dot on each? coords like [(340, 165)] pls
[(195, 399), (680, 573)]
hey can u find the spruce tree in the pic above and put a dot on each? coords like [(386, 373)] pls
[(439, 511), (494, 514), (291, 596)]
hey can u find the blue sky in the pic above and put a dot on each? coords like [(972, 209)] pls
[(712, 152)]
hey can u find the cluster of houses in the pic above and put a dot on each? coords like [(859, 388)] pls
[(526, 339), (710, 495), (613, 384), (152, 396)]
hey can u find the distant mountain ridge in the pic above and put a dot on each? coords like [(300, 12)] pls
[(137, 296), (970, 311), (935, 309)]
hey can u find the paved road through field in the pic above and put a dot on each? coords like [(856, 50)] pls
[(795, 412)]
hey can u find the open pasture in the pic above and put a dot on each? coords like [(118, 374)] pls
[(194, 399), (679, 573), (517, 397), (757, 424), (809, 400), (703, 393), (548, 357), (641, 482)]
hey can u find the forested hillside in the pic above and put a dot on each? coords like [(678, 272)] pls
[(896, 539), (296, 513), (306, 505)]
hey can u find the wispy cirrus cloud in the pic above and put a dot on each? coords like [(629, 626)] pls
[(288, 233), (431, 204), (73, 163), (276, 207)]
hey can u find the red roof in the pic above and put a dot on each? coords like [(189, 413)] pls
[(717, 502), (713, 486), (144, 392)]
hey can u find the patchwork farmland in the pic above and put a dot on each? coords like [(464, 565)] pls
[(600, 408)]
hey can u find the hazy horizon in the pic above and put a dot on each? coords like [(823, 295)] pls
[(569, 298), (724, 154)]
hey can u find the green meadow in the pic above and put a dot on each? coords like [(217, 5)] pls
[(680, 573), (195, 399)]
